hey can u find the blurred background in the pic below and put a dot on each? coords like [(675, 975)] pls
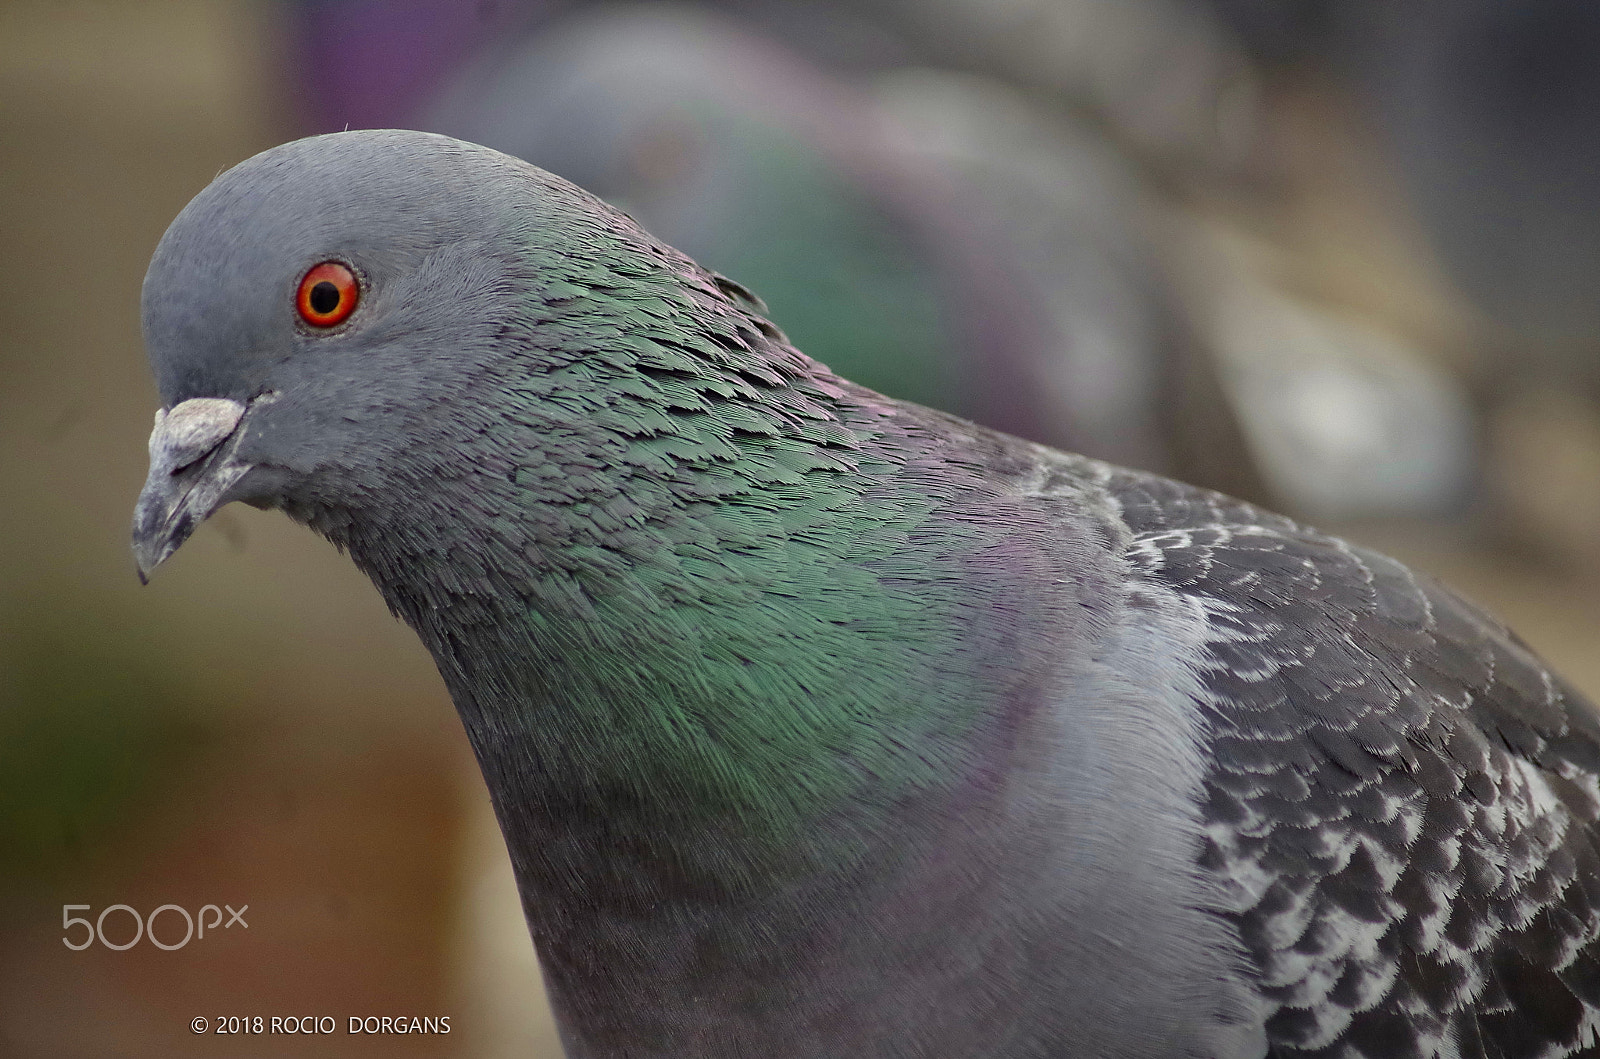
[(1340, 257)]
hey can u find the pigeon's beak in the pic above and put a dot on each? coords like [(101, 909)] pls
[(192, 467)]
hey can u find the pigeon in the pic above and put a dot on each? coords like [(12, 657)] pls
[(984, 257), (822, 724), (732, 149)]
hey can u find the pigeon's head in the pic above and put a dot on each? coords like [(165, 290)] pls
[(322, 305)]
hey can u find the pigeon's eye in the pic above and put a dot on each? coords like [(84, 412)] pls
[(328, 294)]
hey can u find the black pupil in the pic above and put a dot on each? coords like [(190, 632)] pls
[(324, 298)]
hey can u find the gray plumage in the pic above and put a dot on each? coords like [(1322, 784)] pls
[(821, 724)]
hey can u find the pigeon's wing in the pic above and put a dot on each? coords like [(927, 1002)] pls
[(1402, 806)]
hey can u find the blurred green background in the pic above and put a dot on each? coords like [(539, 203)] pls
[(1333, 260)]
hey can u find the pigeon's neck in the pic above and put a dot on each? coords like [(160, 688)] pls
[(781, 632), (725, 633), (743, 620), (677, 566), (728, 724)]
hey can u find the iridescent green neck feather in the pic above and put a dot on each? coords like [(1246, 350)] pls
[(698, 568)]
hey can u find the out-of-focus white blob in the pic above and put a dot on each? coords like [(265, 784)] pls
[(1345, 418)]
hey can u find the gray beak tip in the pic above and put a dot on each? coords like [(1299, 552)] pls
[(191, 470)]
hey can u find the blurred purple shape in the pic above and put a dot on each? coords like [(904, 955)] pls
[(371, 63)]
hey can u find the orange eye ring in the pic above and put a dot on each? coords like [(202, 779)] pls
[(328, 294)]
